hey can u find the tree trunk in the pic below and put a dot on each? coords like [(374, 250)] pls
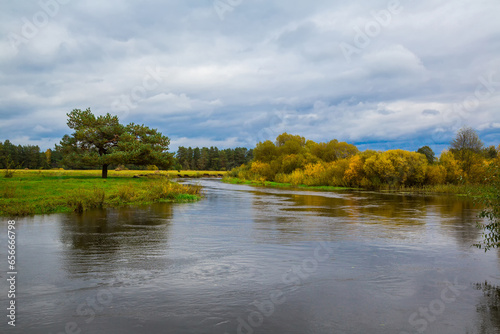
[(105, 171)]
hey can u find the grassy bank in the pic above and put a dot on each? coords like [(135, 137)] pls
[(234, 180), (453, 189), (30, 192)]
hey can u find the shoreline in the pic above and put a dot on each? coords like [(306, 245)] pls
[(448, 189), (31, 192)]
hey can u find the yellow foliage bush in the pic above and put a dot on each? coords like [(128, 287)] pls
[(436, 174), (263, 170), (296, 178), (396, 167), (479, 172), (315, 174), (354, 173), (452, 167), (335, 173), (292, 159), (314, 169), (292, 162), (281, 178)]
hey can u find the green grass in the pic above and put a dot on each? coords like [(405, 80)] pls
[(234, 180), (30, 192), (452, 189)]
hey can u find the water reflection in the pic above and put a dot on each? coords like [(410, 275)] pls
[(488, 308), (106, 238), (199, 267), (300, 216), (459, 220), (297, 215)]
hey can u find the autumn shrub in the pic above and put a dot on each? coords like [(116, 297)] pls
[(335, 173), (262, 170), (375, 169), (292, 159), (242, 172), (314, 174), (478, 173), (265, 151), (354, 173), (396, 168), (281, 178), (296, 178), (436, 174), (291, 162), (452, 167)]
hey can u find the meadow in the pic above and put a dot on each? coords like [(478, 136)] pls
[(29, 192)]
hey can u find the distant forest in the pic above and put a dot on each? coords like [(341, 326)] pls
[(212, 158), (27, 156), (30, 156)]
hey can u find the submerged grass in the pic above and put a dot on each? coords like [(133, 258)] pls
[(52, 191)]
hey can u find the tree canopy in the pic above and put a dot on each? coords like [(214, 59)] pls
[(467, 148), (20, 156), (102, 140), (295, 160), (467, 139), (429, 154)]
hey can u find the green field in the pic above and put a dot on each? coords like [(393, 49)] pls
[(30, 192)]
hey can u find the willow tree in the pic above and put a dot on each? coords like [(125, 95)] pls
[(102, 140)]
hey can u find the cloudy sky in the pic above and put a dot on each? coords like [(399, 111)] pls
[(379, 74)]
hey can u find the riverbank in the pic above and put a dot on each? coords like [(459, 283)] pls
[(235, 180), (451, 189), (30, 192)]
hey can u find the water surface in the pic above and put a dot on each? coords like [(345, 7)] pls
[(258, 260)]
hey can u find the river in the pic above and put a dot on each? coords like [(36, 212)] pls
[(257, 260)]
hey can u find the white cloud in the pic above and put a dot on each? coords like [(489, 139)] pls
[(270, 66)]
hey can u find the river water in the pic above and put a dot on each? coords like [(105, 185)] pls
[(257, 260)]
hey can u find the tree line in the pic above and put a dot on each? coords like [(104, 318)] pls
[(212, 158), (103, 142), (27, 156), (32, 157), (293, 159)]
